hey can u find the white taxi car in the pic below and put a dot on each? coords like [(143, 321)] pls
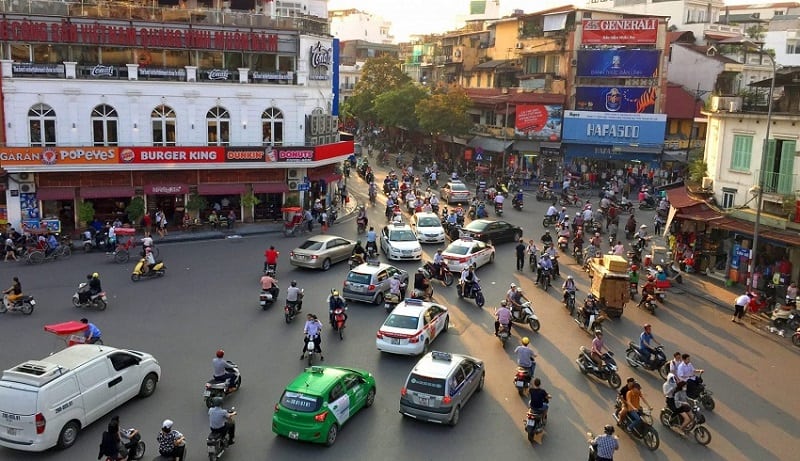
[(411, 327), (465, 251), (398, 242), (428, 227)]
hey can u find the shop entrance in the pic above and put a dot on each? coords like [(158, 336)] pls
[(222, 204), (110, 209), (63, 210), (173, 207), (269, 207)]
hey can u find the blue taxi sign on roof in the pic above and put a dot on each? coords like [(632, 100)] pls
[(438, 355), (413, 301)]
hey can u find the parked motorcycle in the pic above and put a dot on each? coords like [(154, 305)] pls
[(657, 359), (268, 297), (339, 320), (217, 443), (475, 293), (92, 241), (141, 270), (446, 276), (522, 380), (97, 301), (526, 315), (24, 304), (644, 430), (696, 426), (607, 371), (593, 323), (216, 388), (783, 318)]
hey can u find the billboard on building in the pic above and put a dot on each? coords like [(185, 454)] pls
[(49, 156), (538, 121), (616, 129), (616, 99), (618, 63), (624, 31)]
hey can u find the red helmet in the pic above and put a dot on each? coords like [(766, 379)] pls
[(634, 268), (220, 353)]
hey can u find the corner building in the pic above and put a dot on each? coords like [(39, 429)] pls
[(104, 104)]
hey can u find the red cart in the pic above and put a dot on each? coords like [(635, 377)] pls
[(70, 332)]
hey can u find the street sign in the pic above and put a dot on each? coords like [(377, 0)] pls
[(303, 186), (479, 157)]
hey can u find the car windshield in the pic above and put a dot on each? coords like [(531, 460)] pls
[(477, 226), (425, 385), (429, 221), (458, 249), (402, 236), (457, 186), (298, 401), (311, 245), (357, 277), (406, 322)]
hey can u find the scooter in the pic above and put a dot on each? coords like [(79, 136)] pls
[(391, 300), (517, 204), (577, 253), (217, 443), (339, 319), (548, 221), (607, 371), (311, 349), (525, 314), (97, 301), (633, 288), (534, 424), (782, 318), (796, 338), (216, 388), (271, 270), (563, 243), (141, 270), (372, 251), (546, 278), (649, 303), (134, 446), (696, 427), (570, 302), (446, 277), (291, 309), (475, 293), (657, 360), (498, 209), (355, 261), (24, 304), (504, 332), (594, 323), (268, 297), (522, 380), (643, 430)]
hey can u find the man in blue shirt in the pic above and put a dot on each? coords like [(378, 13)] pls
[(545, 264), (92, 334), (220, 420), (644, 343), (526, 358), (312, 330), (52, 244), (372, 237)]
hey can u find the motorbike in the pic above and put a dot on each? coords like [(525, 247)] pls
[(504, 332), (633, 287), (577, 253), (216, 388), (533, 262), (141, 271), (92, 241), (570, 200), (546, 279), (517, 204), (217, 443), (475, 293), (134, 447), (498, 209), (657, 360), (339, 319), (607, 371), (696, 427), (446, 276), (311, 349), (594, 323), (267, 297), (291, 309), (549, 220), (782, 318), (361, 226), (271, 270), (391, 300), (644, 430), (702, 394), (534, 424), (525, 314), (796, 338), (24, 304), (563, 243), (570, 302), (372, 250), (356, 261), (544, 195), (649, 303), (522, 380), (97, 301), (646, 206)]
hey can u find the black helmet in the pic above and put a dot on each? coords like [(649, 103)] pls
[(294, 283), (217, 402), (608, 429)]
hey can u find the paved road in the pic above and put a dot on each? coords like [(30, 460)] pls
[(208, 300)]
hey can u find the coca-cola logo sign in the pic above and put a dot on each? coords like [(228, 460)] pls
[(321, 61), (103, 71), (219, 74)]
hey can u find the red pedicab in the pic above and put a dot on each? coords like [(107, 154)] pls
[(125, 243), (70, 332), (292, 220)]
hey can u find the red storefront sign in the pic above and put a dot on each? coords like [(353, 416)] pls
[(620, 31), (172, 154), (166, 189), (336, 149), (531, 117), (246, 154), (292, 154)]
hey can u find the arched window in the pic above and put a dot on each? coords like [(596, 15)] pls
[(272, 127), (218, 123), (42, 125), (163, 121), (104, 125)]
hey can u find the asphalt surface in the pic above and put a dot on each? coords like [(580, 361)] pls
[(209, 299)]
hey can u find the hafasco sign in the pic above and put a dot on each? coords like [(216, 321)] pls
[(614, 128), (321, 60), (32, 156), (172, 154), (620, 31)]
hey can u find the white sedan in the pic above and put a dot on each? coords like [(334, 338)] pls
[(398, 242), (428, 227), (411, 327), (465, 251)]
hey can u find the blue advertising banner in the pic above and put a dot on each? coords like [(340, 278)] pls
[(646, 130), (618, 63), (335, 79), (616, 99), (606, 152)]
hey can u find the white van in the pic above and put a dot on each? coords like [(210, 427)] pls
[(44, 403)]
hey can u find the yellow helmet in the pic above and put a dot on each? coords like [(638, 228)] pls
[(525, 341), (95, 275)]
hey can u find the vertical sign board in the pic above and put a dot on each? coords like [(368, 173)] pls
[(335, 79)]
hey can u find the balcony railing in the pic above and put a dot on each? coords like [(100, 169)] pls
[(778, 183)]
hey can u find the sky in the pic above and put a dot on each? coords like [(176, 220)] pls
[(410, 17)]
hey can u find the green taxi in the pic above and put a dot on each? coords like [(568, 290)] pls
[(316, 404)]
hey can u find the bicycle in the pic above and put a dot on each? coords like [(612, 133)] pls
[(37, 256)]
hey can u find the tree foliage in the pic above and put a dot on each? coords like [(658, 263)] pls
[(379, 75), (396, 107), (445, 112), (698, 169)]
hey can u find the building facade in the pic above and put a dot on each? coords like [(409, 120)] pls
[(103, 106)]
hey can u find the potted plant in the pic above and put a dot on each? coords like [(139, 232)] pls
[(292, 199), (135, 210), (249, 200), (195, 204), (85, 213)]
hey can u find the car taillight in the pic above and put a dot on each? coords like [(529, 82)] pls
[(208, 386), (446, 400), (40, 423), (414, 339), (371, 288), (379, 335), (321, 417), (462, 260), (403, 391)]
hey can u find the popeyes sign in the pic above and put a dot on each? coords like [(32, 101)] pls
[(36, 156), (628, 31)]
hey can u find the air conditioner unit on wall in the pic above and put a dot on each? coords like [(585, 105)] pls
[(27, 188), (519, 45), (293, 185), (293, 174), (25, 177)]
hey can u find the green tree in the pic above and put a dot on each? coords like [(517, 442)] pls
[(393, 107), (698, 169), (379, 75), (445, 112)]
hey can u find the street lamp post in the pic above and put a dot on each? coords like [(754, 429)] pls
[(505, 124), (760, 184)]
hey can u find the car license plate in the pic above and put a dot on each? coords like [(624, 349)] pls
[(424, 401), (207, 394), (294, 435), (395, 340), (519, 383), (11, 431), (406, 252)]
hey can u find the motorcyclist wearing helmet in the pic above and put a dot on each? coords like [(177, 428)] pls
[(589, 308), (394, 285), (422, 282), (150, 259), (294, 295), (359, 254), (645, 340), (439, 265), (517, 299), (568, 287), (335, 301), (502, 317), (648, 290), (526, 358), (93, 287), (545, 264), (468, 278), (633, 275), (222, 371), (220, 420), (605, 444), (547, 239)]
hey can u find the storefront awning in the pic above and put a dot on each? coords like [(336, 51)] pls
[(107, 192), (270, 188), (453, 139), (221, 189), (55, 193), (524, 145), (490, 144), (766, 233), (333, 178)]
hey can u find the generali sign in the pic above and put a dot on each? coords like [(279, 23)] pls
[(628, 31)]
